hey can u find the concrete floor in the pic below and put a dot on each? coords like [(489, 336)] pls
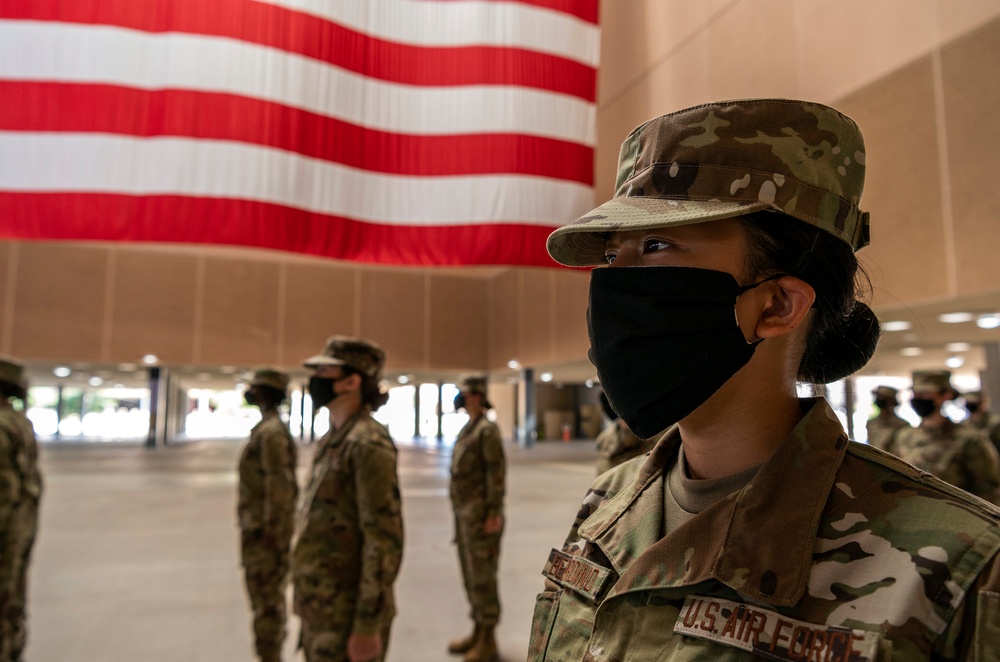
[(137, 556)]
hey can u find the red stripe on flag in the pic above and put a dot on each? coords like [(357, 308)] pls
[(320, 39), (585, 10), (109, 217), (70, 107)]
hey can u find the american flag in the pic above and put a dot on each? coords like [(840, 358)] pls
[(392, 131)]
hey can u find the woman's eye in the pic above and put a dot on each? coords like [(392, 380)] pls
[(653, 245), (610, 257)]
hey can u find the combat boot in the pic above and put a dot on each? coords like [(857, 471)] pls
[(466, 643), (485, 648)]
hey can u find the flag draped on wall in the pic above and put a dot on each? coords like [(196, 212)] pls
[(394, 131)]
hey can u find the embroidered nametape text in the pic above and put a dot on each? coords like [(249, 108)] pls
[(576, 573), (772, 635)]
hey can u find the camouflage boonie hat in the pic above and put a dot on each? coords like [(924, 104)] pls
[(11, 372), (726, 159), (473, 385), (938, 381), (358, 354), (886, 392), (276, 379)]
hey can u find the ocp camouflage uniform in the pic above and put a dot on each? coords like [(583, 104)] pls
[(989, 425), (882, 428), (617, 444), (957, 455), (349, 540), (266, 511), (478, 470), (20, 493), (870, 554)]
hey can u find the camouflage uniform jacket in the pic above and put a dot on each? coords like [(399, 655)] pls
[(989, 425), (616, 444), (958, 455), (831, 545), (349, 534), (478, 471), (881, 430), (20, 483), (268, 489)]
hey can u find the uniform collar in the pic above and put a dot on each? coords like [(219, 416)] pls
[(758, 541)]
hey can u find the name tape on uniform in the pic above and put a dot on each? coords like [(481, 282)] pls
[(576, 573), (772, 635)]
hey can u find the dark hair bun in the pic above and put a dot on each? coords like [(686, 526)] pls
[(840, 350)]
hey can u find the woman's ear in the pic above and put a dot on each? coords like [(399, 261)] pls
[(352, 382), (787, 302)]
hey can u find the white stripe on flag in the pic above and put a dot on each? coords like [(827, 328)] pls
[(504, 24), (64, 162), (42, 51)]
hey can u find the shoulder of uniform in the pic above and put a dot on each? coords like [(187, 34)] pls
[(903, 475), (369, 432)]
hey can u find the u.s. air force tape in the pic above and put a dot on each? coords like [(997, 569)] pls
[(769, 634), (576, 573)]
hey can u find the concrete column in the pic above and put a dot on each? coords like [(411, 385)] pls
[(990, 378), (849, 405), (440, 413), (416, 411), (158, 388), (527, 431)]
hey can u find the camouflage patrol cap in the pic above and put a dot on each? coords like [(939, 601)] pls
[(272, 377), (936, 381), (726, 159), (886, 392), (473, 385), (362, 356), (11, 372)]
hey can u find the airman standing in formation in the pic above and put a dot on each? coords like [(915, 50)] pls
[(617, 443), (884, 424), (20, 493), (982, 419), (348, 543), (958, 455), (755, 528), (266, 511), (478, 470)]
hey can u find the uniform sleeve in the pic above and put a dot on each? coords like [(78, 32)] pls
[(983, 467), (495, 469), (10, 490), (975, 629), (381, 523), (280, 489)]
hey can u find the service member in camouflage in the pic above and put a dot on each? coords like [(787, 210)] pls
[(884, 424), (20, 493), (616, 443), (266, 511), (981, 418), (348, 542), (478, 470), (959, 455), (754, 528)]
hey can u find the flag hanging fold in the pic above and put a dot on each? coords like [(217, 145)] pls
[(415, 132)]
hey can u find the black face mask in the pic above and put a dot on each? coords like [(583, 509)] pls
[(664, 339), (973, 407), (882, 403), (924, 407), (251, 397), (321, 390), (459, 401)]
